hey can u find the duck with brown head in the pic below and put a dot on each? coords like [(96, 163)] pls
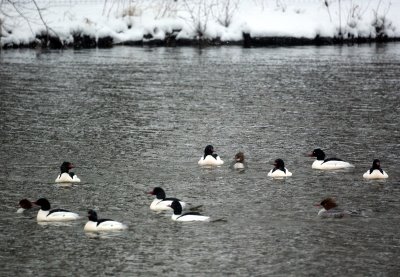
[(238, 162), (329, 208)]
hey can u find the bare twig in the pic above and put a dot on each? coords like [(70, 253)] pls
[(16, 8), (48, 28)]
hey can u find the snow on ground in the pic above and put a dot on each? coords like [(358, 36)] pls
[(130, 20)]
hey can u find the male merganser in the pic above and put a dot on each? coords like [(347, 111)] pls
[(95, 225), (66, 176), (191, 216), (279, 169), (239, 161), (376, 172), (45, 214), (209, 157), (327, 164), (161, 202), (329, 209)]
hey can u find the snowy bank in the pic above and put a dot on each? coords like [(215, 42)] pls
[(103, 23)]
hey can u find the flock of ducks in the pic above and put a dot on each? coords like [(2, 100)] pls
[(328, 206), (210, 158), (162, 203)]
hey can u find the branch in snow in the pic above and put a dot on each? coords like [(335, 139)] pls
[(48, 29)]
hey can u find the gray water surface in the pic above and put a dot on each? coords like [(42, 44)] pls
[(131, 119)]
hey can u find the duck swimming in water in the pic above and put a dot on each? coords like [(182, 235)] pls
[(161, 202), (329, 209), (239, 161), (279, 169), (24, 206), (210, 158), (327, 164), (45, 214), (66, 176), (96, 225), (190, 216), (375, 172)]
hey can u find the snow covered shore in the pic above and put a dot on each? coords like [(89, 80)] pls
[(104, 23)]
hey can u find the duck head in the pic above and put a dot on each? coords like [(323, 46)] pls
[(158, 192), (317, 153)]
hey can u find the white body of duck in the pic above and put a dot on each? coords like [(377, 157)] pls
[(192, 216), (238, 165), (161, 202), (66, 178), (327, 164), (331, 165), (376, 172), (98, 225), (210, 160), (279, 173), (332, 213), (45, 214)]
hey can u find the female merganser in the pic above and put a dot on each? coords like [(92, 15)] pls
[(95, 225), (45, 214), (24, 205), (66, 176), (327, 164), (209, 157), (375, 172), (192, 216), (239, 161), (329, 209), (162, 203), (279, 169)]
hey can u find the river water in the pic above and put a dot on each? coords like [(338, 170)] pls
[(133, 118)]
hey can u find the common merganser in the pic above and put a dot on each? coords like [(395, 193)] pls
[(279, 169), (330, 209), (191, 216), (95, 225), (239, 161), (327, 164), (66, 176), (375, 172), (209, 157), (45, 214), (24, 205), (161, 202)]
